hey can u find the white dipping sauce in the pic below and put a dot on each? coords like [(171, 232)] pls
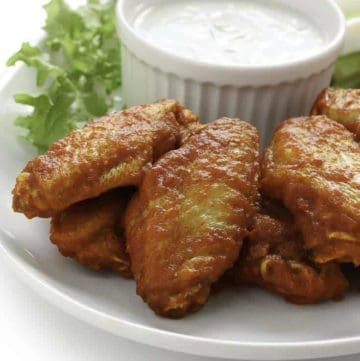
[(243, 32)]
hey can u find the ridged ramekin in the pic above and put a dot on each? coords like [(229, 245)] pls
[(263, 95)]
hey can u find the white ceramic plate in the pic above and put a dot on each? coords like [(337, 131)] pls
[(238, 324)]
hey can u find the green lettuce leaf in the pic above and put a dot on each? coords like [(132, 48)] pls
[(347, 71), (78, 70)]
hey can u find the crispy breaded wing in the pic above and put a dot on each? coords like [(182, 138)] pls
[(92, 232), (313, 167), (186, 225), (108, 152), (273, 257), (341, 105)]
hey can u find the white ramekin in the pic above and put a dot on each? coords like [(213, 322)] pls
[(263, 95)]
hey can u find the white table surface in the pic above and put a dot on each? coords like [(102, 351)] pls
[(30, 328)]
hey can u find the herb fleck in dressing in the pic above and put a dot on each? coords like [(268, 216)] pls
[(231, 32)]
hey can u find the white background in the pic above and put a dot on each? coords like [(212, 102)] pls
[(30, 328)]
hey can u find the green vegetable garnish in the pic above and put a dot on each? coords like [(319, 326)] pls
[(347, 71), (352, 14), (347, 68), (78, 69)]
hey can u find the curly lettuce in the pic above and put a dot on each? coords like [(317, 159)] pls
[(78, 67)]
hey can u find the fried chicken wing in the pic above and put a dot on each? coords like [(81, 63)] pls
[(92, 232), (107, 153), (186, 225), (274, 258), (341, 105), (313, 167)]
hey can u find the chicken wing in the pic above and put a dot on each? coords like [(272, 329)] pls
[(274, 258), (313, 167), (92, 232), (341, 105), (186, 225), (108, 152)]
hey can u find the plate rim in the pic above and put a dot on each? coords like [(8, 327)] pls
[(169, 340), (173, 341)]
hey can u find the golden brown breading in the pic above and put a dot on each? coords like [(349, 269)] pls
[(341, 105), (108, 152), (313, 167), (274, 258), (92, 232), (186, 225)]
